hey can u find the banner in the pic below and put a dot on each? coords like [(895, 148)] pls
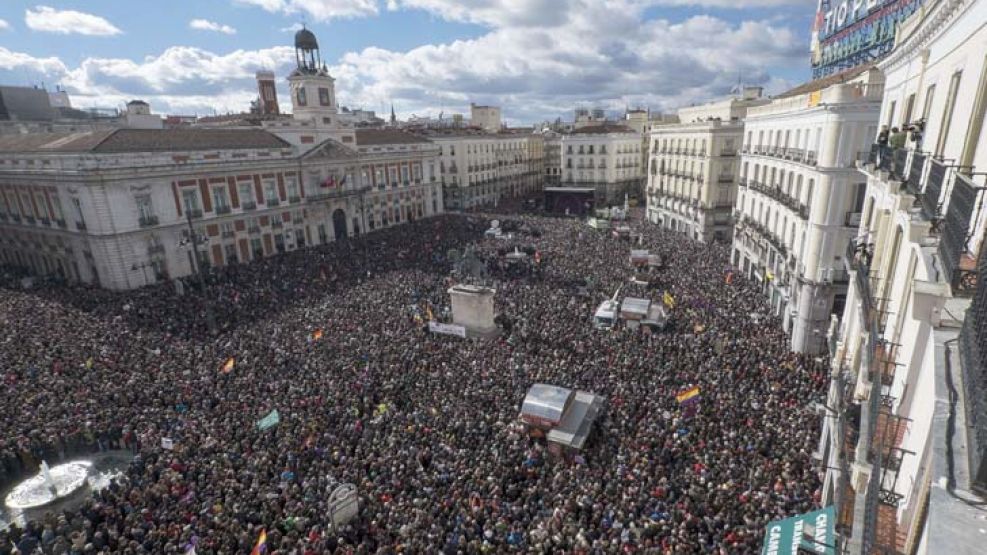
[(446, 329), (269, 421), (688, 395), (811, 532), (167, 443)]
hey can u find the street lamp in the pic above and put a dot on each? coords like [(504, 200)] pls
[(143, 267), (193, 239)]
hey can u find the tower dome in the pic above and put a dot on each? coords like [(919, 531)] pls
[(307, 52), (305, 40)]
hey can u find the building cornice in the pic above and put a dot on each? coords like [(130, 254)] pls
[(916, 33)]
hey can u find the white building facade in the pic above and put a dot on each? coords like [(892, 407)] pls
[(904, 442), (692, 178), (800, 198), (605, 157), (124, 208), (477, 168)]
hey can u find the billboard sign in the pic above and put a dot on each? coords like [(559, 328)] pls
[(847, 33)]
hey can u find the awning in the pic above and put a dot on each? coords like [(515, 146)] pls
[(811, 532)]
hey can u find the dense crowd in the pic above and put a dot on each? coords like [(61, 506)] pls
[(425, 426)]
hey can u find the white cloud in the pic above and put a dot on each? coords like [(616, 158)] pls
[(64, 22), (599, 53), (4, 25), (15, 61), (293, 28), (206, 25), (319, 10), (596, 53)]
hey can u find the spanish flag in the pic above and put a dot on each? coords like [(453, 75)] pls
[(261, 546), (428, 310), (228, 365), (768, 275), (668, 299), (685, 395), (317, 334)]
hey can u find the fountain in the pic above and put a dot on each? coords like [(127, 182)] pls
[(60, 483)]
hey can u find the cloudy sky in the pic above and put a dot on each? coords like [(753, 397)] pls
[(536, 58)]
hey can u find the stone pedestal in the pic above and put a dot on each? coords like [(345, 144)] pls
[(473, 308)]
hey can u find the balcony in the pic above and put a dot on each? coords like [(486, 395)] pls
[(294, 200), (61, 223), (223, 209), (253, 230), (194, 213), (155, 249), (934, 184), (81, 226), (147, 220), (228, 234), (29, 219), (852, 219), (249, 205), (272, 202), (727, 153), (45, 221), (335, 193), (277, 225), (959, 264)]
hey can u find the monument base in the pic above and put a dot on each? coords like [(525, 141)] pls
[(473, 309)]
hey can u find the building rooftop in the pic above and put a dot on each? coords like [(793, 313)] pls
[(602, 129), (368, 137), (829, 80), (142, 140)]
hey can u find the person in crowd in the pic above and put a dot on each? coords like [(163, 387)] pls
[(897, 138), (425, 426), (883, 136)]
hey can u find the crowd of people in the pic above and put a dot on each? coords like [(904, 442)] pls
[(425, 426)]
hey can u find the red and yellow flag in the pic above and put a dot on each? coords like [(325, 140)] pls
[(228, 365)]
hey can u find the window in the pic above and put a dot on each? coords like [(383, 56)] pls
[(302, 100), (393, 175), (220, 199), (270, 191), (417, 171), (144, 208), (404, 174), (292, 186), (379, 177), (246, 191), (75, 204), (909, 104), (324, 96), (891, 115), (976, 121), (947, 113), (56, 204), (39, 201), (929, 95), (190, 199)]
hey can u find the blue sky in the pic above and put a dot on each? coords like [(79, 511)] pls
[(535, 58)]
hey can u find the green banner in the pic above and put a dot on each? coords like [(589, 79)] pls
[(809, 533), (269, 421)]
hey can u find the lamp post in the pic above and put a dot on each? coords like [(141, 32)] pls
[(143, 266), (191, 242)]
